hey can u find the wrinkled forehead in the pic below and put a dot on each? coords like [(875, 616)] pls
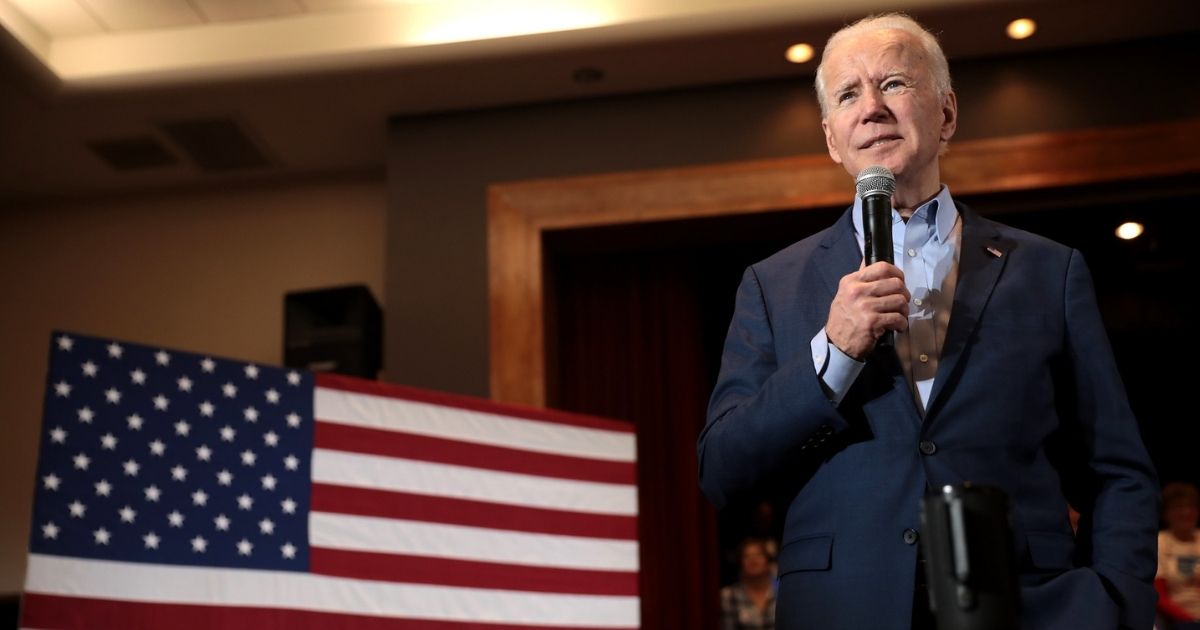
[(879, 51)]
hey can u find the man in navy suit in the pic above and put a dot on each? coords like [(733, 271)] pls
[(1000, 374)]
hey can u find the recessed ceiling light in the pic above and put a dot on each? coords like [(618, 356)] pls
[(799, 53), (1022, 28), (1130, 230)]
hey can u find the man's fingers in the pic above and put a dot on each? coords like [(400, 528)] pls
[(879, 271)]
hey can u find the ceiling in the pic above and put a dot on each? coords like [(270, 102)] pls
[(117, 96)]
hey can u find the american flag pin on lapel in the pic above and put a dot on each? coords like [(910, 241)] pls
[(995, 252)]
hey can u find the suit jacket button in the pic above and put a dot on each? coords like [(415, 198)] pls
[(911, 536), (927, 447)]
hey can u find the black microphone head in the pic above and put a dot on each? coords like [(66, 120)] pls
[(875, 180)]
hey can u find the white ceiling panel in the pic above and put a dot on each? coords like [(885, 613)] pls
[(232, 10), (126, 15), (59, 18)]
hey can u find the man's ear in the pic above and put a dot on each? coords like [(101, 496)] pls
[(949, 116), (833, 152)]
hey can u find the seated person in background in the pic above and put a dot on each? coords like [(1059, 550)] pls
[(750, 602), (1178, 578)]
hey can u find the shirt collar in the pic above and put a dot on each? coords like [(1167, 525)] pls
[(941, 207)]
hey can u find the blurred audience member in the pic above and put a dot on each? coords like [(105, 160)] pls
[(1178, 578), (750, 602)]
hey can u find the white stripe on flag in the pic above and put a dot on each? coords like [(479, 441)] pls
[(369, 533), (461, 482), (165, 584), (452, 423)]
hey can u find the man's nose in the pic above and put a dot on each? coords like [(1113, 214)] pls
[(873, 107)]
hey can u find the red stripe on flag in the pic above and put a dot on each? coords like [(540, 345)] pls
[(366, 565), (341, 437), (71, 613), (388, 390), (417, 507)]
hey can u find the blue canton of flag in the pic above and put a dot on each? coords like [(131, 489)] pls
[(166, 457)]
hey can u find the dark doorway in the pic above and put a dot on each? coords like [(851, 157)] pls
[(637, 315)]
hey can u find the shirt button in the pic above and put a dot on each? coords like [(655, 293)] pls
[(927, 447), (924, 358), (917, 301), (912, 252), (911, 536)]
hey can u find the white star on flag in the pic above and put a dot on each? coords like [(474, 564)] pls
[(178, 473), (161, 402), (271, 438), (208, 365), (102, 536), (245, 502), (288, 506), (86, 415), (251, 371), (288, 550), (272, 396), (185, 384), (157, 447), (82, 461), (175, 518), (51, 481), (103, 488), (229, 390), (222, 522), (248, 457), (115, 350), (224, 477), (65, 343), (90, 369), (162, 358), (182, 428), (268, 482), (207, 409), (138, 377), (127, 514), (112, 395), (244, 547), (293, 420), (135, 422), (199, 498), (108, 441), (151, 540), (293, 378), (50, 530), (62, 388), (199, 545), (251, 414), (58, 435), (291, 462), (266, 526), (153, 493), (131, 468), (203, 453), (77, 509), (227, 433)]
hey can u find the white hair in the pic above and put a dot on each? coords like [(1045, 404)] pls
[(939, 69)]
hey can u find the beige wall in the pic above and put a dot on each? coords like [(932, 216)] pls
[(197, 271)]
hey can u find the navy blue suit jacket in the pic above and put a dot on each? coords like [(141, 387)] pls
[(1027, 398)]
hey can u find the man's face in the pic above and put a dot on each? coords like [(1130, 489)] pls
[(883, 108)]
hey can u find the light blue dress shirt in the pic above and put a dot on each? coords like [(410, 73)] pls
[(926, 250)]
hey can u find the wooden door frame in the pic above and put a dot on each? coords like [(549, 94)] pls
[(519, 213)]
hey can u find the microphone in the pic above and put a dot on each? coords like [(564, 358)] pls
[(876, 185)]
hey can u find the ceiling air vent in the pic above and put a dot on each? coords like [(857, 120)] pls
[(216, 145), (132, 153)]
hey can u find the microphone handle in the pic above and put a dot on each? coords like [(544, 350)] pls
[(877, 240)]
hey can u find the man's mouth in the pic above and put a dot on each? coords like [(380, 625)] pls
[(878, 141)]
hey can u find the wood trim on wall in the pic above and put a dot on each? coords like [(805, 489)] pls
[(519, 212)]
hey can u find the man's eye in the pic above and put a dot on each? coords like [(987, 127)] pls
[(892, 85), (845, 96)]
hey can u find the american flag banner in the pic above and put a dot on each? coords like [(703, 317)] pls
[(177, 490)]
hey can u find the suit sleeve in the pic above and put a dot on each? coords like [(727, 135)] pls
[(764, 411), (1124, 523)]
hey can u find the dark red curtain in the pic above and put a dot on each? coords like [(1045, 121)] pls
[(627, 342)]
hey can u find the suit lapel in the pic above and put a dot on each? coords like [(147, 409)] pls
[(982, 258), (843, 255)]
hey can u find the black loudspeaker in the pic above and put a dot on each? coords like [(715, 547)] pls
[(336, 330), (970, 565)]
